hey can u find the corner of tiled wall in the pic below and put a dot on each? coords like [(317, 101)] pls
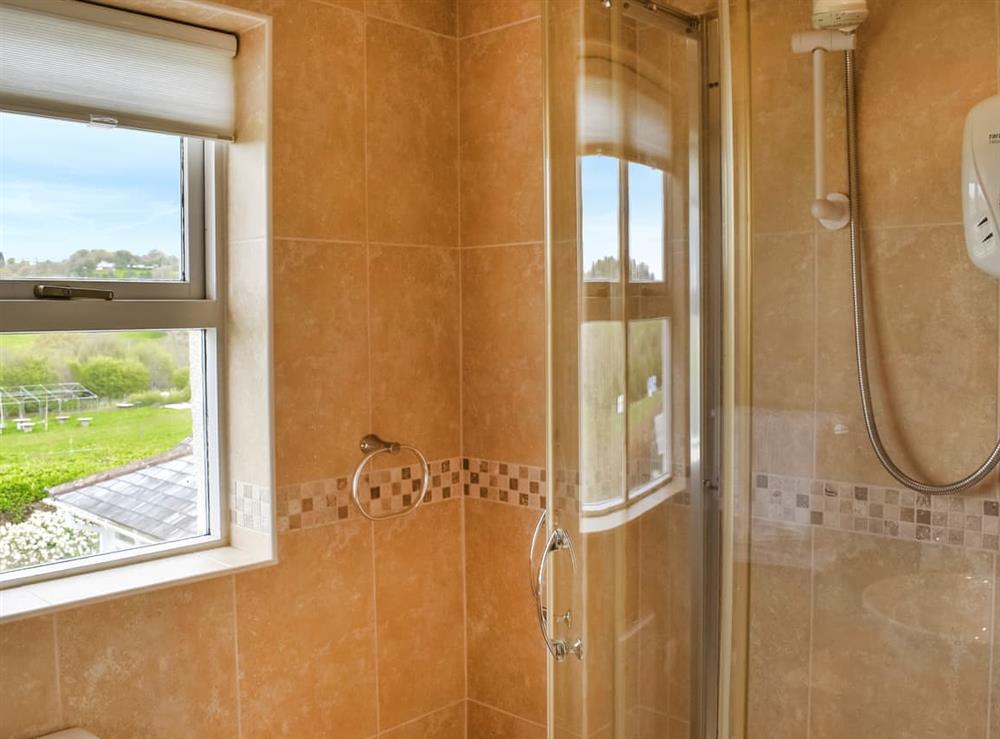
[(502, 349)]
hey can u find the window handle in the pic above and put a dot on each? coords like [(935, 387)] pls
[(60, 292)]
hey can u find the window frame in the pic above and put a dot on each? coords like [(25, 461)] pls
[(197, 304)]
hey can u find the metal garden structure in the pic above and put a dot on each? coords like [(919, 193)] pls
[(25, 400)]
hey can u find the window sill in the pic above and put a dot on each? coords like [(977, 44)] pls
[(253, 550)]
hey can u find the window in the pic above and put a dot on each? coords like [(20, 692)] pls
[(104, 208), (625, 342), (109, 181)]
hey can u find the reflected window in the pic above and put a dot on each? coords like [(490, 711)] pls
[(645, 223), (599, 196), (625, 342), (602, 412), (649, 417)]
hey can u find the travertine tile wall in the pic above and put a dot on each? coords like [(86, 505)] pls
[(408, 300), (829, 657)]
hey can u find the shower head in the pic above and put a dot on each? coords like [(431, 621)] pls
[(839, 15)]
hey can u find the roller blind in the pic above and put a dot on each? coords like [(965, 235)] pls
[(71, 59)]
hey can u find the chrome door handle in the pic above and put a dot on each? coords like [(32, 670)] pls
[(558, 541)]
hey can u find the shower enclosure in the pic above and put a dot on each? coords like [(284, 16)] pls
[(627, 575), (723, 554)]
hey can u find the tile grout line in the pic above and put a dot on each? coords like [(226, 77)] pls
[(422, 716), (815, 353), (368, 327), (461, 375), (378, 699), (537, 242), (465, 603), (402, 24), (507, 713), (812, 621), (368, 246), (991, 677), (890, 227), (58, 669), (461, 263), (236, 660), (504, 27)]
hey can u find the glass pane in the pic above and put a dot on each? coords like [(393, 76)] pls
[(649, 408), (599, 205), (101, 443), (85, 202), (645, 223), (602, 412)]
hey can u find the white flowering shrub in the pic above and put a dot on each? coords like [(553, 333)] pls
[(45, 536)]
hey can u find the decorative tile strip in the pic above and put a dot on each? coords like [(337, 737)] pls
[(388, 490), (964, 521), (504, 482), (250, 506), (322, 502)]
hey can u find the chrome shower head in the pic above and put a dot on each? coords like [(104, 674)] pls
[(839, 15)]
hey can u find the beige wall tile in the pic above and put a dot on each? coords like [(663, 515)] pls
[(784, 341), (320, 358), (319, 124), (781, 124), (307, 637), (439, 16), (488, 723), (412, 135), (914, 53), (784, 321), (932, 340), (159, 664), (500, 89), (419, 591), (506, 658), (995, 713), (415, 334), (447, 723), (896, 638), (476, 16), (657, 654), (780, 603), (30, 703), (503, 353)]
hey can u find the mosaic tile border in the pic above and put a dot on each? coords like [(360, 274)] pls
[(965, 521), (250, 506), (323, 502), (504, 482)]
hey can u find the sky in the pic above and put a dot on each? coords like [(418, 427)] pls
[(66, 186), (599, 202)]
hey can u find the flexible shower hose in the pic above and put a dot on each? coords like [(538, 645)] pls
[(857, 296)]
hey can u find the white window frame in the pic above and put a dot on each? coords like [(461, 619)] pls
[(195, 304)]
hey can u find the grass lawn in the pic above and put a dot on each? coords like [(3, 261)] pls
[(32, 462)]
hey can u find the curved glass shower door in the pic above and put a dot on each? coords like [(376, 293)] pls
[(625, 568)]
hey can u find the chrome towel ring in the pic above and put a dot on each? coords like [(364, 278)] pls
[(371, 445)]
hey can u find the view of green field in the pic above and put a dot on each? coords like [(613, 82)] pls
[(30, 463), (143, 371)]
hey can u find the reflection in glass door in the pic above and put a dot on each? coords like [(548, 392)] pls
[(625, 89)]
